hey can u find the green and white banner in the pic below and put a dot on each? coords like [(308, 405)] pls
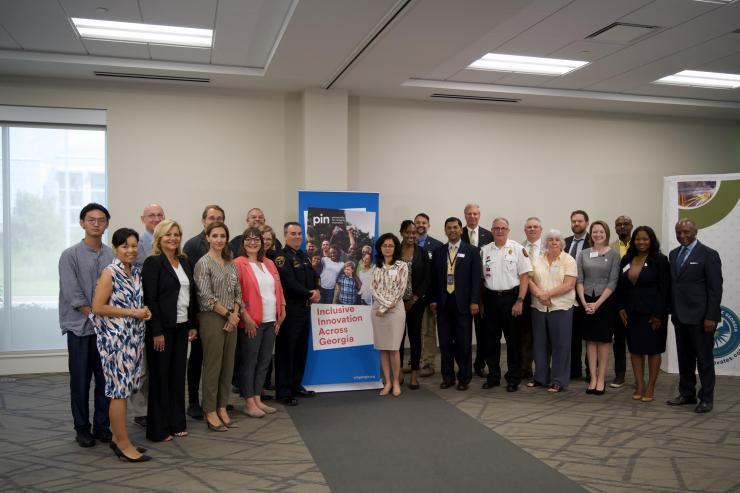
[(712, 201)]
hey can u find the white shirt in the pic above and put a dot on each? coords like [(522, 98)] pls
[(329, 272), (473, 235), (183, 298), (503, 266), (536, 247), (266, 283)]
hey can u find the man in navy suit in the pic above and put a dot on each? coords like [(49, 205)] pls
[(478, 237), (696, 293), (428, 322), (455, 296)]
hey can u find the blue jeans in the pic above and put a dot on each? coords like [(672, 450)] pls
[(84, 363)]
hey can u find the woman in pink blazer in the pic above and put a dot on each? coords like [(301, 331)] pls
[(262, 314)]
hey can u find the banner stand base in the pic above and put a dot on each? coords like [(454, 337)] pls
[(340, 387)]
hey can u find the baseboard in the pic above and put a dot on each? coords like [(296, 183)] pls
[(25, 362)]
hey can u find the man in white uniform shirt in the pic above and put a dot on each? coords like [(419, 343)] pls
[(533, 246), (505, 271)]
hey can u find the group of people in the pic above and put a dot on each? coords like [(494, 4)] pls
[(130, 312)]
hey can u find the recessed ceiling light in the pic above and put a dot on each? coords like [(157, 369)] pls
[(143, 33), (525, 64), (695, 78)]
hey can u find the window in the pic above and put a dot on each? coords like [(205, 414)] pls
[(49, 173)]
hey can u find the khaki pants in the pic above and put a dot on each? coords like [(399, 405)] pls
[(428, 338), (219, 348)]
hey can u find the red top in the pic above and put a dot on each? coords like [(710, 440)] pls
[(251, 291)]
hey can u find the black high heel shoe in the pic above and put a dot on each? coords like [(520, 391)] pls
[(113, 447), (119, 453)]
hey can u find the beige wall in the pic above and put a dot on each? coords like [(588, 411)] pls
[(436, 157), (185, 148)]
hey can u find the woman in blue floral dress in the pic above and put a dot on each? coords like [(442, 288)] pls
[(118, 316)]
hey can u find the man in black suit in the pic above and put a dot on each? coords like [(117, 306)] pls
[(478, 237), (428, 322), (574, 244), (696, 293), (455, 297)]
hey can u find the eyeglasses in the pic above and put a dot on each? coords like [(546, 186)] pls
[(96, 220)]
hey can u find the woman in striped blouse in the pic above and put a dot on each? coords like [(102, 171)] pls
[(220, 299)]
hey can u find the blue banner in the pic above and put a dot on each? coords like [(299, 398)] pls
[(341, 228)]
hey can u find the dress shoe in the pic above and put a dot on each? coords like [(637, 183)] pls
[(288, 401), (304, 393), (140, 420), (84, 439), (268, 409), (257, 413), (617, 382), (195, 411), (414, 386), (446, 385), (489, 385), (119, 453), (703, 407), (599, 392), (104, 436), (590, 391), (427, 371), (462, 386), (681, 400), (220, 427), (512, 388)]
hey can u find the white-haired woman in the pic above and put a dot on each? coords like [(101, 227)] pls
[(552, 283)]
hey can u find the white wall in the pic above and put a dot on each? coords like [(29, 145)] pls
[(186, 148), (436, 157)]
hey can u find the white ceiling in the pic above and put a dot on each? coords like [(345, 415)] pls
[(398, 48)]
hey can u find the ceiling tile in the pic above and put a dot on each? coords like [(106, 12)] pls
[(729, 64), (180, 54), (184, 13), (6, 42), (41, 25), (117, 49), (247, 30), (528, 80), (108, 10), (477, 76), (667, 13), (587, 51)]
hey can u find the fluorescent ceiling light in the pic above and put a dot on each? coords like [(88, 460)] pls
[(721, 2), (143, 33), (525, 64), (695, 78)]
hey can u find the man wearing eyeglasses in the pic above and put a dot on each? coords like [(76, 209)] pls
[(152, 215), (79, 268)]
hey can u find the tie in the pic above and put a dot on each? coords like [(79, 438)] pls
[(474, 237), (574, 247), (451, 269), (531, 250), (681, 258)]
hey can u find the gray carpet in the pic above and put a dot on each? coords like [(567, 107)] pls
[(416, 442)]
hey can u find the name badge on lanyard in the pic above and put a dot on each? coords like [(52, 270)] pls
[(450, 279)]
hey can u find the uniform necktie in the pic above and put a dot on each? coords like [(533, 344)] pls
[(451, 269)]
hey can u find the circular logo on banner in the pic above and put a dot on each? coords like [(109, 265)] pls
[(727, 336)]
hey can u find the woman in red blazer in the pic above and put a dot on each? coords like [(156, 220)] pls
[(262, 314)]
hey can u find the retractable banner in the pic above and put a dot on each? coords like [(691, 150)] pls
[(712, 202), (340, 231)]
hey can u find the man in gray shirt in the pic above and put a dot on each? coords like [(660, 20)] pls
[(79, 268)]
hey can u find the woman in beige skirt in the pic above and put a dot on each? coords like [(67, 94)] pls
[(390, 276)]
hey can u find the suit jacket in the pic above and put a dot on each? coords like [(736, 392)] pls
[(696, 288), (467, 277), (484, 236), (430, 245), (586, 243), (161, 290), (650, 295)]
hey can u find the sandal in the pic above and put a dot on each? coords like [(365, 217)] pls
[(555, 388), (533, 384)]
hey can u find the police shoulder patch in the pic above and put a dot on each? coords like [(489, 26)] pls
[(279, 260), (524, 251)]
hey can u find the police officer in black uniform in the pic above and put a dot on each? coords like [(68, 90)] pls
[(291, 346)]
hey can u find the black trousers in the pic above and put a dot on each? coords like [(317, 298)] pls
[(84, 364), (455, 334), (694, 349), (620, 347), (195, 366), (291, 348), (526, 339), (166, 404), (413, 329), (576, 344), (498, 319), (481, 342)]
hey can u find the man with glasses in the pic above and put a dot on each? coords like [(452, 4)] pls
[(506, 269), (195, 248), (152, 215), (79, 268)]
